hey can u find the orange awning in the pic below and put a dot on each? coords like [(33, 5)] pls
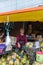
[(30, 14)]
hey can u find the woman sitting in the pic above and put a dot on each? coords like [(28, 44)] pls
[(21, 40)]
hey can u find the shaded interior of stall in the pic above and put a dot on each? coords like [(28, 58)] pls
[(37, 27)]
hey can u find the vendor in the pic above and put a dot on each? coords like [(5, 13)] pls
[(21, 39), (30, 34)]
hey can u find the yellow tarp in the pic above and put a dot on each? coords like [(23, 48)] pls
[(25, 16)]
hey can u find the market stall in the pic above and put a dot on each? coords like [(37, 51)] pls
[(31, 53)]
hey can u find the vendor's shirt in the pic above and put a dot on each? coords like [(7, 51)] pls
[(21, 39)]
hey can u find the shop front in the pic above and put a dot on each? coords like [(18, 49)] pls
[(21, 33)]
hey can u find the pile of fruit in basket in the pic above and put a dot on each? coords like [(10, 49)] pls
[(41, 44), (15, 59), (29, 44)]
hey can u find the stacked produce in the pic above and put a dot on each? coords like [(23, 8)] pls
[(41, 44), (29, 44), (15, 59)]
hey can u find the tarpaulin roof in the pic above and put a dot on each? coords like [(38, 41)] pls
[(32, 14), (21, 10)]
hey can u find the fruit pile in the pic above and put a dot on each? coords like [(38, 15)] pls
[(42, 49), (41, 44), (29, 44), (15, 59)]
